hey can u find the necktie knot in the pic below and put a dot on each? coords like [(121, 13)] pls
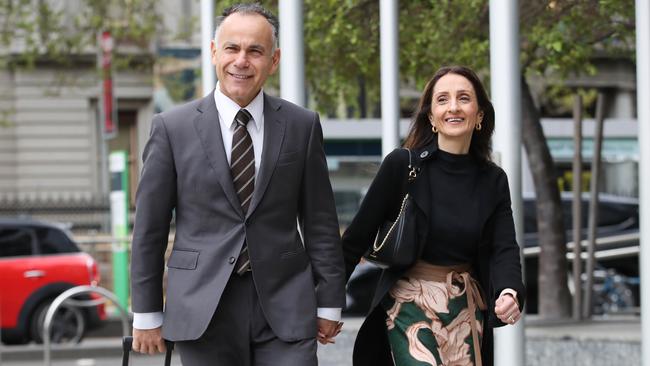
[(242, 117)]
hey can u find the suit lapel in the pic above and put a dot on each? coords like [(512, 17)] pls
[(274, 127), (209, 131)]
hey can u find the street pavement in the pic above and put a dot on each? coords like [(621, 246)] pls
[(105, 352), (604, 341)]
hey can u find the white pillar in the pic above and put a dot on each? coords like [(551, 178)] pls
[(506, 97), (207, 34), (389, 46), (643, 116), (292, 62)]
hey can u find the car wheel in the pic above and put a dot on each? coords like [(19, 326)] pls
[(68, 324)]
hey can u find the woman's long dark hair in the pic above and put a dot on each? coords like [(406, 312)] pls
[(420, 133)]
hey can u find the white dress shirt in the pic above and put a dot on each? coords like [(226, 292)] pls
[(227, 109)]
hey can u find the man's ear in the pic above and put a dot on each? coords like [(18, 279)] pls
[(275, 60), (213, 52)]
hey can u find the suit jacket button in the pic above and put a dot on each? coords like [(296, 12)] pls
[(231, 260)]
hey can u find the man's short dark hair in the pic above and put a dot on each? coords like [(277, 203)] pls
[(252, 8)]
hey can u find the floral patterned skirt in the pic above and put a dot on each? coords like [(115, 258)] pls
[(434, 317)]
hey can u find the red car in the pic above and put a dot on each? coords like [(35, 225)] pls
[(38, 261)]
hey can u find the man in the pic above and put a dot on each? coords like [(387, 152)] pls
[(256, 255)]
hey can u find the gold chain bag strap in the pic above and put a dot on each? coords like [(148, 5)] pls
[(396, 243)]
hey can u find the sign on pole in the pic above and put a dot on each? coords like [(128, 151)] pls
[(108, 101)]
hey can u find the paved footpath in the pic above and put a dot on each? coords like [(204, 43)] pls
[(608, 341)]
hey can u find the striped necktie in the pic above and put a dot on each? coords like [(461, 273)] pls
[(242, 166)]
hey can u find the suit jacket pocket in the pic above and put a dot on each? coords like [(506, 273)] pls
[(183, 259), (288, 158)]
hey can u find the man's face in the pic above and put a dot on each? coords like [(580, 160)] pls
[(243, 57)]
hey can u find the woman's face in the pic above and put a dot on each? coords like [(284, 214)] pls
[(454, 109)]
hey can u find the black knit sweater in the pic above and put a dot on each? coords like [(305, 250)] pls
[(455, 221), (468, 215)]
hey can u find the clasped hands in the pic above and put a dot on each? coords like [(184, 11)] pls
[(327, 330)]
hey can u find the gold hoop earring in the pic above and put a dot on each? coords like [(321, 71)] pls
[(434, 129), (478, 126)]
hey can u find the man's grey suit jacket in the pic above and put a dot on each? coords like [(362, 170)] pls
[(186, 172)]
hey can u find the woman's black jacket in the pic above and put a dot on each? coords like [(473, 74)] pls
[(497, 264)]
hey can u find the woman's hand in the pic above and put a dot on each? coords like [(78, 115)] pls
[(507, 308)]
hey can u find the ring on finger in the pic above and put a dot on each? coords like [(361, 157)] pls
[(511, 319)]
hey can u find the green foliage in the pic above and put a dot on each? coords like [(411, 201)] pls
[(557, 101), (342, 43), (42, 30), (64, 33), (563, 36), (341, 38), (556, 36)]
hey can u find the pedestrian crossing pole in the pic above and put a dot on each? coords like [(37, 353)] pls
[(118, 166)]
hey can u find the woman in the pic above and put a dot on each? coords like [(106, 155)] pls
[(441, 311)]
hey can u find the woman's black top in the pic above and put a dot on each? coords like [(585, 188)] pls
[(468, 220), (455, 224)]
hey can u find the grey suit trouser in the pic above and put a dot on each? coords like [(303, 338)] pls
[(239, 335)]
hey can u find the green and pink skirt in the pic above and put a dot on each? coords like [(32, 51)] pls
[(434, 317)]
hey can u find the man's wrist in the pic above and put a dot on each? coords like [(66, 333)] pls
[(333, 314), (147, 320)]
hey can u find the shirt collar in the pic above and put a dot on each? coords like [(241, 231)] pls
[(228, 108)]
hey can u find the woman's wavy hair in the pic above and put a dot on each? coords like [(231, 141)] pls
[(420, 133)]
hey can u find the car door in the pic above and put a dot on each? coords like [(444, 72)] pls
[(17, 272)]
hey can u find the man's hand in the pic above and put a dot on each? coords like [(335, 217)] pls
[(148, 341), (507, 309), (327, 330)]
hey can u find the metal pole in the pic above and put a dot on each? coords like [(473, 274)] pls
[(292, 62), (65, 295), (103, 144), (577, 207), (506, 96), (207, 34), (389, 47), (103, 168), (593, 205), (643, 116), (119, 200)]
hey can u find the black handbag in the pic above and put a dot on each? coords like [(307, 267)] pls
[(396, 244)]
